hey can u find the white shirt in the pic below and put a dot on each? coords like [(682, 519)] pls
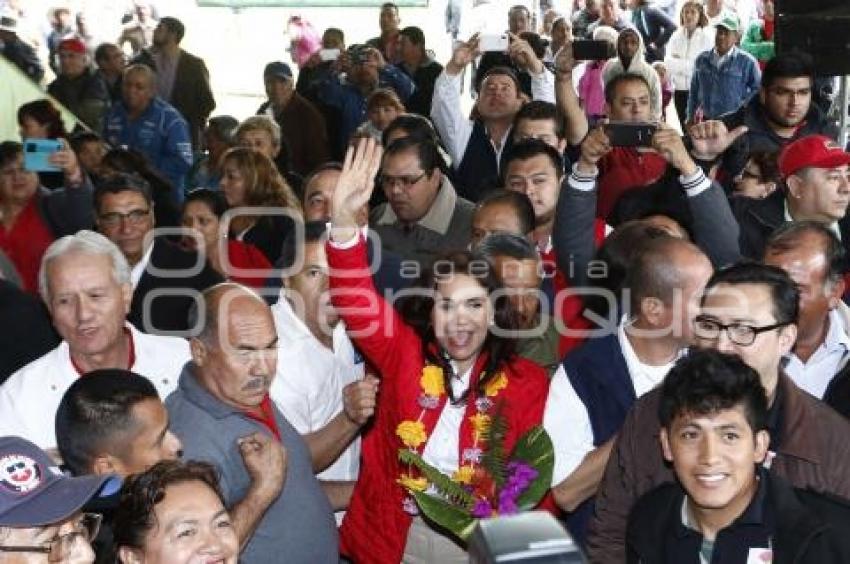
[(566, 417), (309, 381), (441, 450), (30, 397), (455, 129), (815, 374), (138, 270)]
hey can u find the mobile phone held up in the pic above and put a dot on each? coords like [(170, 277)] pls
[(493, 42), (630, 134), (329, 54), (592, 50), (37, 153)]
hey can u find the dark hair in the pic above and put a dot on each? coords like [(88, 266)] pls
[(174, 26), (504, 71), (705, 382), (100, 52), (9, 151), (314, 231), (651, 273), (528, 149), (324, 167), (414, 34), (768, 163), (136, 513), (612, 85), (44, 112), (429, 155), (132, 161), (415, 126), (80, 138), (794, 64), (787, 238), (784, 295), (507, 245), (538, 110), (213, 199), (416, 309), (117, 182), (224, 127), (521, 7), (95, 415), (520, 203)]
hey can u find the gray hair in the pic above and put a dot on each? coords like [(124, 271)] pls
[(87, 243), (261, 123)]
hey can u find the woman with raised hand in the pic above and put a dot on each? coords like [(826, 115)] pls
[(447, 368)]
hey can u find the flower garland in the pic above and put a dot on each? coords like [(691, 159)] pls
[(412, 432)]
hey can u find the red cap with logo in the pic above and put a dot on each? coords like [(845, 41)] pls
[(812, 150), (74, 45)]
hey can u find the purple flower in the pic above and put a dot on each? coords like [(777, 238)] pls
[(408, 504), (472, 455), (428, 402), (483, 404), (482, 509)]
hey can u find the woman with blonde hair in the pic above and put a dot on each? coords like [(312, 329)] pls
[(251, 180), (687, 42)]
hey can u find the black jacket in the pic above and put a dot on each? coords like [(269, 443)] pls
[(759, 218), (810, 527), (169, 311), (27, 333)]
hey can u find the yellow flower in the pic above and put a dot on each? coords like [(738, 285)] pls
[(432, 381), (413, 484), (496, 385), (480, 424), (464, 474), (412, 433)]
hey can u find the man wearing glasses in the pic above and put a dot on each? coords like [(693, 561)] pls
[(165, 277), (750, 310), (40, 508), (424, 216)]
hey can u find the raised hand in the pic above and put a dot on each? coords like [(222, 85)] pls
[(710, 138), (355, 184), (564, 60), (463, 54), (594, 147), (66, 159), (359, 399), (668, 143), (523, 55), (265, 460)]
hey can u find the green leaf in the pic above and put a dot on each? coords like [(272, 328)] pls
[(493, 458), (449, 489), (455, 520), (535, 448)]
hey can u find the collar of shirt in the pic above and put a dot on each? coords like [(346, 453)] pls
[(644, 376), (836, 338), (139, 269), (439, 216), (291, 328), (832, 226), (717, 60)]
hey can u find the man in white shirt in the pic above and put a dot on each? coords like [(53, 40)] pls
[(598, 382), (814, 258), (85, 282), (317, 363)]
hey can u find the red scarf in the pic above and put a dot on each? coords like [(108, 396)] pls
[(265, 416)]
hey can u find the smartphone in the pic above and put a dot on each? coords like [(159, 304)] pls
[(494, 42), (329, 54), (630, 134), (36, 153), (592, 50)]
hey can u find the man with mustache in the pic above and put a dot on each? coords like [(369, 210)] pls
[(222, 401)]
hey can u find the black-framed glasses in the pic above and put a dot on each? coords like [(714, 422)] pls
[(406, 180), (739, 333), (133, 217), (60, 548)]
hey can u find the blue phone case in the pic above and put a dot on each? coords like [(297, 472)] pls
[(36, 152)]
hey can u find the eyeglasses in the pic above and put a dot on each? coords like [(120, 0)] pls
[(133, 217), (61, 548), (739, 333), (406, 181)]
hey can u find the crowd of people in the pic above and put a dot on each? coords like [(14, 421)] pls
[(221, 331)]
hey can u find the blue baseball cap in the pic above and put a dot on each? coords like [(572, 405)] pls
[(278, 69), (33, 490)]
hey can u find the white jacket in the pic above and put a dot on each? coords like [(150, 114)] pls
[(682, 51), (30, 397)]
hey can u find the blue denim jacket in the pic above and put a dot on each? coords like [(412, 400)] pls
[(721, 90)]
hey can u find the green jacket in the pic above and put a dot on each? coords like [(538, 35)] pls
[(754, 43)]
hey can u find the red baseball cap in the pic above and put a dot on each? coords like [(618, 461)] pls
[(74, 45), (812, 150)]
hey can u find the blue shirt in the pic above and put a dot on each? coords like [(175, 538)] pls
[(722, 88), (160, 133), (299, 527)]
